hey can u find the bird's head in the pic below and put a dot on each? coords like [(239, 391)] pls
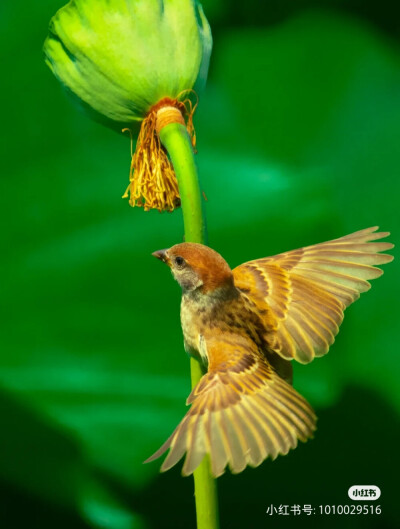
[(197, 267)]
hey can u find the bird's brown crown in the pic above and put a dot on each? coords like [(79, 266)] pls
[(212, 270)]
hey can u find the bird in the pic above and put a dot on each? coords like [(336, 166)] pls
[(246, 326)]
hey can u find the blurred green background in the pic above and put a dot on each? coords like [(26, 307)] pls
[(298, 142)]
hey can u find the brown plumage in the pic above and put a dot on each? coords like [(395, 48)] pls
[(246, 325)]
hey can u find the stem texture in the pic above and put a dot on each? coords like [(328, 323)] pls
[(176, 140)]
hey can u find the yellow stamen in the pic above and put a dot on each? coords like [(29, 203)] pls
[(153, 183)]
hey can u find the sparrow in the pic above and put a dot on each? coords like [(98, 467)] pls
[(246, 325)]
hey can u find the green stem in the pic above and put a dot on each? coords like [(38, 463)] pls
[(176, 140)]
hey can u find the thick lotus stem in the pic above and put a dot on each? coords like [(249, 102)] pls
[(178, 144)]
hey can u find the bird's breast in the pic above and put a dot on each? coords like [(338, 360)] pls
[(205, 315), (193, 323)]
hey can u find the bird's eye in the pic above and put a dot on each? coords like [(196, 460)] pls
[(180, 261)]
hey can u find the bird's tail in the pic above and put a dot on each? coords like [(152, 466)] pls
[(238, 426)]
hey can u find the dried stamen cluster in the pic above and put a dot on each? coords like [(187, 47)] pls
[(153, 184)]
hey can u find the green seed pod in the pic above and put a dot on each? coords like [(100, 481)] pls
[(121, 57)]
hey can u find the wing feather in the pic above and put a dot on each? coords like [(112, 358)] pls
[(254, 436), (196, 444), (218, 453), (241, 412), (235, 440), (303, 293)]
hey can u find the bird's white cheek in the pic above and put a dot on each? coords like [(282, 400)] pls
[(188, 280)]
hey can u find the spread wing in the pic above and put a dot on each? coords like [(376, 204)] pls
[(306, 290), (241, 412)]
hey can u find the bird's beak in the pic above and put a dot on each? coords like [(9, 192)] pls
[(162, 255)]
